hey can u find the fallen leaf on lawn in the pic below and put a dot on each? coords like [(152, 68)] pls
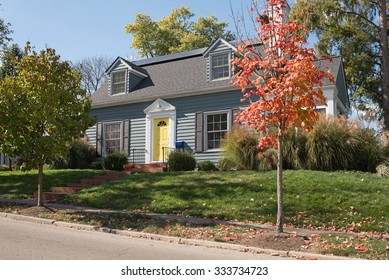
[(361, 247)]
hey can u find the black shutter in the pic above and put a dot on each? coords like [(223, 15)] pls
[(199, 132), (234, 112), (99, 139), (126, 132)]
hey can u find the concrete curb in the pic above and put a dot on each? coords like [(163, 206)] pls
[(172, 239)]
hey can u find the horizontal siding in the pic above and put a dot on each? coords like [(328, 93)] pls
[(137, 139), (186, 107), (91, 135), (134, 80), (212, 156)]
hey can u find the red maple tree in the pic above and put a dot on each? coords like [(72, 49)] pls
[(278, 76)]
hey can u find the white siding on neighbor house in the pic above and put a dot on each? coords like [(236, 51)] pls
[(90, 133)]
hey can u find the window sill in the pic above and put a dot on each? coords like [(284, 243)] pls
[(220, 79)]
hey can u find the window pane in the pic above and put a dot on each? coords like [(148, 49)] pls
[(220, 66), (223, 126), (112, 137), (217, 126), (118, 84)]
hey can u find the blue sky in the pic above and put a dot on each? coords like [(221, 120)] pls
[(83, 28)]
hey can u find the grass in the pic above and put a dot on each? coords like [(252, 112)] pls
[(19, 184), (351, 201)]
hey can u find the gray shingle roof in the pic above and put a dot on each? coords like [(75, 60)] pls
[(172, 75)]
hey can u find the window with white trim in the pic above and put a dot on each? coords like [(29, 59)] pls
[(220, 66), (112, 137), (217, 124), (118, 82)]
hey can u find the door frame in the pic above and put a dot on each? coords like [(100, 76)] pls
[(159, 109)]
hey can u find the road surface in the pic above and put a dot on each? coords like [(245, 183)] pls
[(20, 240)]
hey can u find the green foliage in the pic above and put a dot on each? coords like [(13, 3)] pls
[(206, 166), (5, 31), (349, 28), (79, 156), (4, 168), (181, 161), (174, 33), (240, 151), (42, 109), (336, 143), (8, 60), (98, 165), (115, 161), (226, 164), (294, 148)]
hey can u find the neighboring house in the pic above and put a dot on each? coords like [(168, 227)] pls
[(149, 106)]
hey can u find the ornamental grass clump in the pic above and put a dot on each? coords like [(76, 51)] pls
[(336, 143)]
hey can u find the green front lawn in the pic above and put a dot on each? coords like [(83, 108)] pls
[(19, 184), (335, 200)]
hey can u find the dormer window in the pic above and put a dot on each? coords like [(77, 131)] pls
[(118, 82), (220, 66)]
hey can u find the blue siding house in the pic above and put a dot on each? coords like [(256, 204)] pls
[(147, 107)]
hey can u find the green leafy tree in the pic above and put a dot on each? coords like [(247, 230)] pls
[(357, 30), (8, 58), (5, 31), (42, 109), (175, 33)]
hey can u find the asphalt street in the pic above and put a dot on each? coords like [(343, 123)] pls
[(21, 240)]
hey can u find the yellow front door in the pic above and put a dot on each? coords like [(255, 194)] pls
[(161, 138)]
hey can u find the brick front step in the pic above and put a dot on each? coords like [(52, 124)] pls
[(67, 189), (152, 167), (57, 192), (49, 196)]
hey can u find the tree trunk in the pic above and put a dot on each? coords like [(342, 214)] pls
[(280, 216), (40, 185), (384, 63)]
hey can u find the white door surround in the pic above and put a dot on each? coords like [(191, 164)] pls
[(159, 109)]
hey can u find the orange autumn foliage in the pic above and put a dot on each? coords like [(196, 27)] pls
[(278, 76)]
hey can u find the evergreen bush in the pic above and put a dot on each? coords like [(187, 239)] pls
[(206, 166), (115, 161), (179, 160)]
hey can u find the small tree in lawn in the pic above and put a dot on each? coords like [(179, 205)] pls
[(42, 108), (280, 80)]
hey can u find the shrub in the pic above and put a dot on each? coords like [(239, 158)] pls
[(240, 151), (96, 165), (4, 168), (336, 143), (206, 166), (240, 146), (294, 149), (181, 161), (383, 169), (79, 156), (226, 164), (115, 161)]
